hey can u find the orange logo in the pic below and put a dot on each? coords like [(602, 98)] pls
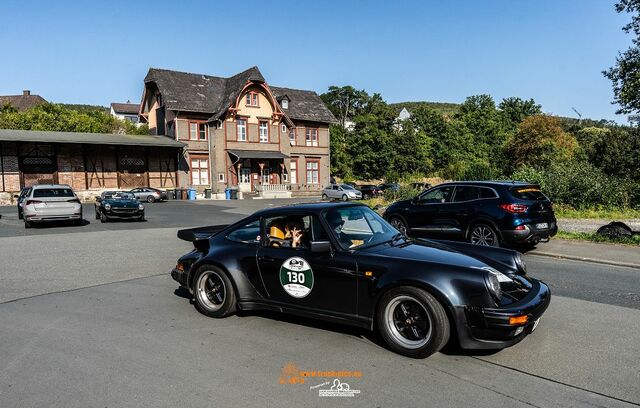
[(290, 375)]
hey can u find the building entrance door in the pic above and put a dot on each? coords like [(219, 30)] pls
[(244, 184)]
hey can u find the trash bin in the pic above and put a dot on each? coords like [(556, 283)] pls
[(191, 194), (171, 194), (207, 193), (227, 194), (234, 194), (181, 194)]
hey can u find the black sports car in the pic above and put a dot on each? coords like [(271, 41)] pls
[(118, 204), (342, 262)]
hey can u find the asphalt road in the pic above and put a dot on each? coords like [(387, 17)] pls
[(89, 317)]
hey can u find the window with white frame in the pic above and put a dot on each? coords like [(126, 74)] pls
[(252, 99), (242, 130), (284, 128), (312, 172), (311, 137), (199, 172), (197, 131), (285, 104), (292, 136), (294, 172), (264, 132)]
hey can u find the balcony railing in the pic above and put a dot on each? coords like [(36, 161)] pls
[(272, 187)]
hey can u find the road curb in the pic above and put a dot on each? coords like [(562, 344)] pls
[(583, 259)]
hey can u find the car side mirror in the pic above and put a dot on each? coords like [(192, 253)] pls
[(320, 246)]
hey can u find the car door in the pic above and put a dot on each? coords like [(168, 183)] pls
[(425, 217), (305, 280), (455, 215)]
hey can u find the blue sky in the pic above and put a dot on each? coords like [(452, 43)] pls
[(98, 52)]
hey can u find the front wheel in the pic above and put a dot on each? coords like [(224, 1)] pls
[(412, 322), (483, 234), (213, 292), (399, 225), (103, 217)]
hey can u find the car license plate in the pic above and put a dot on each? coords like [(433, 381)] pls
[(542, 225), (535, 324)]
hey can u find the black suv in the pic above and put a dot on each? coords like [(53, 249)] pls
[(480, 212)]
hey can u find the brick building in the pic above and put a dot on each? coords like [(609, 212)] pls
[(240, 131)]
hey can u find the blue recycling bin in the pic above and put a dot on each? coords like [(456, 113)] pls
[(191, 193), (227, 194)]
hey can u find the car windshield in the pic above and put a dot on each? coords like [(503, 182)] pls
[(52, 192), (347, 187), (358, 226), (124, 196)]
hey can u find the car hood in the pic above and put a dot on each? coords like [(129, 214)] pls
[(422, 251), (122, 203)]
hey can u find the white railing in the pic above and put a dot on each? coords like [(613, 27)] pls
[(272, 187)]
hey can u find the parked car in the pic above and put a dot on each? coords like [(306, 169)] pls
[(354, 268), (483, 213), (369, 191), (342, 192), (118, 204), (149, 194), (51, 202), (20, 200), (419, 185), (390, 186)]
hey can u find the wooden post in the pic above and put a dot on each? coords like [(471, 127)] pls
[(84, 164)]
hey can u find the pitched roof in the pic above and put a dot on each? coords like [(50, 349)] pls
[(130, 108), (183, 91), (14, 135), (304, 105), (22, 102)]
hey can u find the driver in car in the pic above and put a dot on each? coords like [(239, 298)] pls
[(336, 223)]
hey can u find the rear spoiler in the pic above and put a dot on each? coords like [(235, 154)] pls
[(200, 233)]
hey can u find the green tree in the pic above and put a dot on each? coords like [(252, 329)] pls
[(615, 150), (626, 71), (345, 102), (340, 159), (515, 109), (539, 141)]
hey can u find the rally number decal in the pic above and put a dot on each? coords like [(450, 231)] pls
[(296, 277)]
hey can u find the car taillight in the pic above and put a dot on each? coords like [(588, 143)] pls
[(75, 200), (33, 202), (514, 208)]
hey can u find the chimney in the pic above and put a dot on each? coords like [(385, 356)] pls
[(26, 92)]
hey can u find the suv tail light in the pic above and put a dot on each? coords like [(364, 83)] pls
[(33, 202), (514, 208), (75, 200)]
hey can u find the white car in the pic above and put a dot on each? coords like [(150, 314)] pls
[(51, 202), (342, 192)]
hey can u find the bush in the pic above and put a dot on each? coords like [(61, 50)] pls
[(581, 185), (405, 193)]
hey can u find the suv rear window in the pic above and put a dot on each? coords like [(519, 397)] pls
[(52, 192), (527, 193)]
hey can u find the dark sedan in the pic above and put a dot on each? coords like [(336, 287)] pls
[(20, 200), (118, 205), (342, 262), (370, 191)]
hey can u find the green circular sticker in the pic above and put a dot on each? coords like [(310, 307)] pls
[(296, 277)]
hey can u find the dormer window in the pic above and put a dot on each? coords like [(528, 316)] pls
[(252, 99), (285, 104)]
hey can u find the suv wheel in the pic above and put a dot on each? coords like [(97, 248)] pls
[(483, 234), (399, 225)]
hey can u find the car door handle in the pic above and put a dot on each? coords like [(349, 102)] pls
[(266, 259)]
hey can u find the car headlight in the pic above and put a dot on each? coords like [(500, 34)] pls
[(493, 279), (521, 265), (140, 207), (107, 206)]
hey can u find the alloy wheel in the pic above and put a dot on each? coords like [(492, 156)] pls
[(211, 290), (408, 321), (399, 225), (483, 235)]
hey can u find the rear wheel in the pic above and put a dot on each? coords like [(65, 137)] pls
[(151, 199), (483, 234), (412, 322), (366, 196), (344, 197), (325, 197), (213, 292)]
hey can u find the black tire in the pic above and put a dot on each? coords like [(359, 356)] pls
[(97, 215), (344, 197), (151, 199), (27, 224), (103, 218), (483, 234), (325, 197), (213, 292), (399, 224), (429, 329), (141, 218), (20, 215), (366, 196)]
